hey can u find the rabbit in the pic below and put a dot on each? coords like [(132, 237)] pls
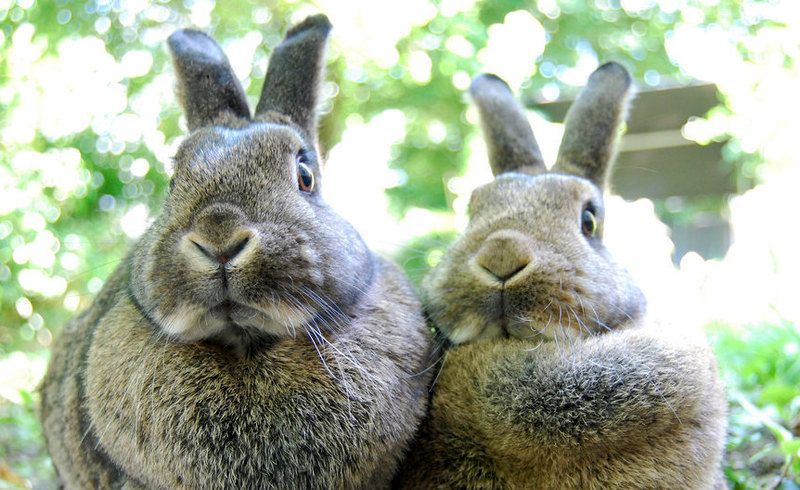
[(250, 339), (554, 375)]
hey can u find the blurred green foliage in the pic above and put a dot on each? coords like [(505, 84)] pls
[(84, 220), (22, 445), (68, 186), (761, 367)]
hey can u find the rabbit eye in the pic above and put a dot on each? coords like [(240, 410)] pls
[(305, 177), (588, 223)]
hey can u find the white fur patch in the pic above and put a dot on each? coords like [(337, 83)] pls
[(279, 319), (473, 327), (190, 322)]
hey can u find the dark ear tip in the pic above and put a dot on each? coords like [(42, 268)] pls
[(317, 22), (613, 70), (485, 82), (197, 44), (182, 37)]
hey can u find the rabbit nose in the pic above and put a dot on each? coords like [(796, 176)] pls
[(504, 254), (224, 254)]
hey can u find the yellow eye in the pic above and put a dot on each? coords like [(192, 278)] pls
[(588, 223), (305, 177)]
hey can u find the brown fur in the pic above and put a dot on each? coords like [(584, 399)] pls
[(555, 376), (250, 339)]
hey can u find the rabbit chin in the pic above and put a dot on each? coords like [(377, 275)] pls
[(475, 328), (472, 327), (193, 322)]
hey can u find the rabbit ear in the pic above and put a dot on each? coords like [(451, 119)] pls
[(207, 85), (591, 125), (508, 134), (291, 87)]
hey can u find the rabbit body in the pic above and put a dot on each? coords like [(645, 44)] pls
[(633, 409), (555, 377), (250, 339), (125, 406)]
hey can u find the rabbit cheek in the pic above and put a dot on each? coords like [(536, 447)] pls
[(312, 258), (273, 298), (546, 303)]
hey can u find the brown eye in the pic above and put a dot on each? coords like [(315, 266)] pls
[(305, 177), (588, 223)]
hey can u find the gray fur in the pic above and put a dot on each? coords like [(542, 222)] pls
[(510, 141), (555, 376), (304, 46), (592, 125), (203, 70), (250, 339)]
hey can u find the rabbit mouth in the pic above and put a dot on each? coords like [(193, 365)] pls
[(509, 321), (506, 313), (555, 316), (533, 318)]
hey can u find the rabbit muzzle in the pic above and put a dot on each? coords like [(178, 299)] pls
[(530, 288), (519, 285), (222, 254)]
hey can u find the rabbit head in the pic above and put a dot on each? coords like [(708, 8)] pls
[(531, 262), (245, 248)]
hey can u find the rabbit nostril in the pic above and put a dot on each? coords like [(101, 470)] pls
[(502, 266), (225, 255), (208, 253), (502, 273), (237, 249), (233, 251)]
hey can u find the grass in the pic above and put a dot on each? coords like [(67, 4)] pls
[(760, 364), (23, 458)]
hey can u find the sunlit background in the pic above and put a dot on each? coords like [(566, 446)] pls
[(89, 124)]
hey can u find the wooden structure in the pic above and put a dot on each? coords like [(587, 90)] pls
[(656, 162)]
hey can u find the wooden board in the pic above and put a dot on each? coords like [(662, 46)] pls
[(656, 162), (652, 110)]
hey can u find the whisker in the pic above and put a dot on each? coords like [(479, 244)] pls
[(597, 319), (333, 316), (439, 373), (661, 394), (536, 347), (581, 324), (622, 311)]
